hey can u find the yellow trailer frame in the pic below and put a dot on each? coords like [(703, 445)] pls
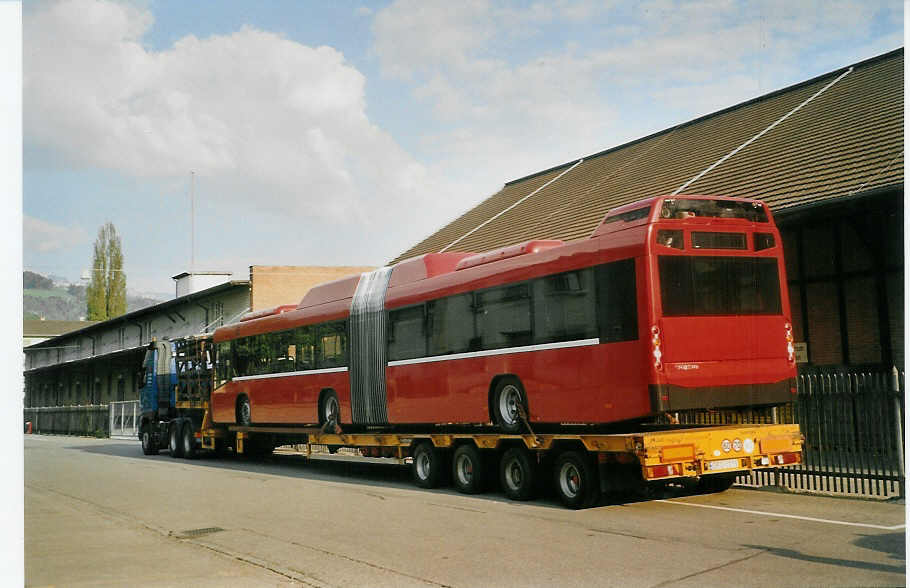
[(676, 453)]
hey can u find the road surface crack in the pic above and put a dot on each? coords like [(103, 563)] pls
[(351, 559), (711, 569)]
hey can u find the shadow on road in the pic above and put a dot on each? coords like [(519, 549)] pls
[(894, 544), (848, 563), (354, 471)]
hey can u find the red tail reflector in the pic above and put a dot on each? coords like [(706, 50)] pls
[(786, 458), (663, 471)]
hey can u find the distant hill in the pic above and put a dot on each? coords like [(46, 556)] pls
[(43, 298)]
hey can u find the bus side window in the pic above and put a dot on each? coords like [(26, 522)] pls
[(407, 333), (304, 338), (450, 325), (616, 301), (565, 307), (332, 345)]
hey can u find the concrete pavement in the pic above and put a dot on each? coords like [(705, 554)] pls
[(98, 512)]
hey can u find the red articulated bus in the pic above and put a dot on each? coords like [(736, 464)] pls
[(673, 303)]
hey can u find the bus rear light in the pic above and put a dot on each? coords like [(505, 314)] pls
[(655, 347), (788, 336)]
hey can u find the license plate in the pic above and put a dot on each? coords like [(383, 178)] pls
[(722, 464)]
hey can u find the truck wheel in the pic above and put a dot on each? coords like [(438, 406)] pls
[(175, 444), (244, 412), (427, 465), (468, 469), (714, 484), (576, 480), (507, 398), (188, 439), (149, 443), (517, 473)]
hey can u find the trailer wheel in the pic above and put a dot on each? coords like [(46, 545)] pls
[(244, 411), (517, 473), (468, 469), (188, 439), (576, 480), (715, 484), (508, 401), (427, 465), (175, 444), (149, 444)]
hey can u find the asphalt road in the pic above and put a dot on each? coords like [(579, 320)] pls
[(99, 513)]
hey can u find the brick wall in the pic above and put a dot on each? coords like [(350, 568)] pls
[(275, 285)]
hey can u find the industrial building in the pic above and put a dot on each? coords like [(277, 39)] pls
[(100, 363)]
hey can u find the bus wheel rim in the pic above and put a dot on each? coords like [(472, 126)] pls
[(569, 480), (509, 400)]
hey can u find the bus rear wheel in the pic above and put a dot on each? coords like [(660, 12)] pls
[(576, 480)]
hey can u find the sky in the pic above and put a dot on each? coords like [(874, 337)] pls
[(341, 133)]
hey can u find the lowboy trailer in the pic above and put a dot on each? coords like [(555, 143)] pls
[(580, 466)]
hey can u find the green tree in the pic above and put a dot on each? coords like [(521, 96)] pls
[(106, 292)]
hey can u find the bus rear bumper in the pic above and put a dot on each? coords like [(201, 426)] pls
[(669, 397)]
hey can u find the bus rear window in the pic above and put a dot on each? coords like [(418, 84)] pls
[(688, 208), (704, 240), (701, 286)]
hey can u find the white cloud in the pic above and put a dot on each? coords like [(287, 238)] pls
[(267, 122), (45, 237), (528, 87)]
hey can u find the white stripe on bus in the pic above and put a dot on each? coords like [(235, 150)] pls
[(283, 374), (504, 351)]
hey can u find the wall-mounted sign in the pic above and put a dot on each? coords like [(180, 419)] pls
[(802, 351)]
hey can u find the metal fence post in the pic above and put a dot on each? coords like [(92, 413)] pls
[(898, 425)]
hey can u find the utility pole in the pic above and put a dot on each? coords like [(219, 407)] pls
[(192, 221)]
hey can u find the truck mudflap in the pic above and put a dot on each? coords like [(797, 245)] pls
[(718, 450)]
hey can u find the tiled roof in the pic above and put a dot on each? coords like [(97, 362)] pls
[(847, 140)]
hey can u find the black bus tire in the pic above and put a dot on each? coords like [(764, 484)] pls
[(244, 411), (508, 400)]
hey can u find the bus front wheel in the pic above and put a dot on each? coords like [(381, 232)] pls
[(508, 402)]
